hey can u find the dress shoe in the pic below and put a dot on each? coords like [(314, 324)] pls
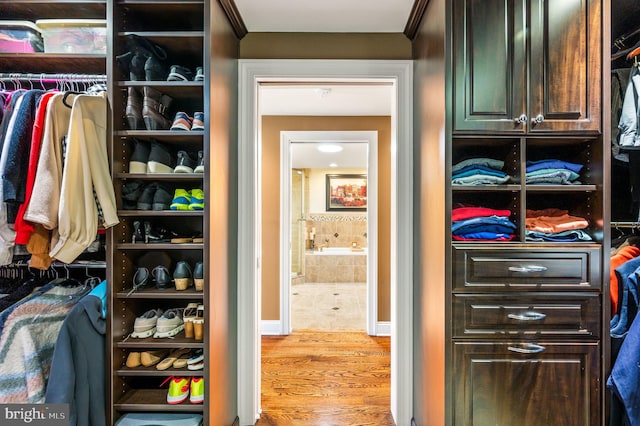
[(155, 106), (198, 276), (182, 276), (162, 277), (133, 111)]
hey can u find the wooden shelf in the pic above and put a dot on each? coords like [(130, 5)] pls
[(480, 188), (158, 213), (161, 176), (153, 371), (53, 63), (561, 188), (155, 293), (178, 341), (161, 246), (152, 400), (162, 134)]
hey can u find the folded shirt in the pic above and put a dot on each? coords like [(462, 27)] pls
[(532, 166), (480, 161), (553, 224), (565, 236), (483, 236), (474, 170), (552, 176), (480, 179), (497, 224), (461, 213)]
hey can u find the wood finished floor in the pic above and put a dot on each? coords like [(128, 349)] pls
[(312, 378)]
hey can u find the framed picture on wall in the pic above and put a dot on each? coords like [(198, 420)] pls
[(346, 192)]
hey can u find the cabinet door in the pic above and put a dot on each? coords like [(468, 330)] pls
[(565, 65), (488, 65), (506, 384)]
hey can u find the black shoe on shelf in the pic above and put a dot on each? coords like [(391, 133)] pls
[(199, 74), (185, 163), (179, 73), (138, 233), (162, 277), (145, 201), (131, 192), (160, 158), (139, 157), (200, 167), (161, 199)]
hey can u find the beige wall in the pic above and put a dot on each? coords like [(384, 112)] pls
[(325, 46), (271, 128)]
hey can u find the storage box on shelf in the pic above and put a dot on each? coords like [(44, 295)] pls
[(74, 35)]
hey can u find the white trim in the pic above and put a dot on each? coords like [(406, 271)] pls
[(371, 138), (383, 328), (270, 327), (251, 73)]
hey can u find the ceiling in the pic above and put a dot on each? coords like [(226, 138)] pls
[(360, 16)]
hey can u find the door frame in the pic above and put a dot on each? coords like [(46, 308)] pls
[(251, 74), (370, 137)]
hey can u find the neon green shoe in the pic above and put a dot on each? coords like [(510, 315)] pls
[(178, 390), (197, 199), (197, 390), (181, 200)]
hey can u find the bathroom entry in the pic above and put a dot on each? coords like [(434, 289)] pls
[(328, 198)]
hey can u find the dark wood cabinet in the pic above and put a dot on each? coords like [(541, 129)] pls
[(527, 67), (526, 383)]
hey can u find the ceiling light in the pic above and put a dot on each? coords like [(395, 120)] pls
[(333, 165), (329, 147)]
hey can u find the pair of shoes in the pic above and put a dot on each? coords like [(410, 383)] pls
[(193, 318), (196, 360), (181, 73), (173, 357), (145, 325), (183, 121), (149, 111), (150, 157), (145, 232), (146, 358), (188, 200), (169, 324), (154, 197), (186, 163), (144, 60), (181, 388), (142, 278)]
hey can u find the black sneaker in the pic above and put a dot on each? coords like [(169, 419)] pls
[(200, 167), (146, 198), (185, 163), (199, 74), (139, 157), (159, 159), (161, 198), (179, 73)]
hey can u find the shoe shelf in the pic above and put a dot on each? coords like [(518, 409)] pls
[(152, 400), (154, 293), (164, 135), (160, 246), (153, 371), (178, 341), (162, 176), (159, 213), (29, 10)]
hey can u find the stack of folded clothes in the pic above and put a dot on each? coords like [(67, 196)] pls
[(481, 224), (552, 172), (479, 171), (555, 225)]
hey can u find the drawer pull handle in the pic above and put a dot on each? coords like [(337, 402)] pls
[(529, 348), (528, 268), (528, 316)]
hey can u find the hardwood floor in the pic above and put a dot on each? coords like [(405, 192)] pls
[(315, 378)]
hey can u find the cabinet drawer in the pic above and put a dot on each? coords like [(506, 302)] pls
[(526, 384), (487, 268), (526, 315)]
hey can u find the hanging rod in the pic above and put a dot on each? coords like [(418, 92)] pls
[(625, 224), (37, 77)]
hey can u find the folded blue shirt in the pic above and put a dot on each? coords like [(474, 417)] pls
[(473, 170), (480, 161), (483, 221), (564, 236), (532, 166)]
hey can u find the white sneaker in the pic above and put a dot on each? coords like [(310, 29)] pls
[(145, 325), (169, 324)]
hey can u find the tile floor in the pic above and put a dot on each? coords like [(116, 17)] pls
[(328, 307)]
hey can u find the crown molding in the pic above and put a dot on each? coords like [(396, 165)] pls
[(415, 18), (233, 15)]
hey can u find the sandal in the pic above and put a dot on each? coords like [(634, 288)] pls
[(198, 323), (172, 358)]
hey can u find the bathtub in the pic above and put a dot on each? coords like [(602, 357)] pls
[(340, 251)]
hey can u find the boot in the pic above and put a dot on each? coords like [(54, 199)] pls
[(132, 65), (133, 111), (154, 109), (148, 59)]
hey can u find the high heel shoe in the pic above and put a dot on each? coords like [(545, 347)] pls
[(138, 233), (155, 106), (154, 235), (134, 110)]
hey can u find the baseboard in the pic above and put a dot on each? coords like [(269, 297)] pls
[(383, 328), (270, 327)]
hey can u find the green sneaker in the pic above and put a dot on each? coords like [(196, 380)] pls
[(181, 200), (197, 199), (178, 390), (197, 390)]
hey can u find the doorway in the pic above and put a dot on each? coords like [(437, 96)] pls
[(252, 73), (333, 250)]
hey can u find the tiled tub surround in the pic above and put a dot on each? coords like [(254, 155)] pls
[(336, 265), (338, 230)]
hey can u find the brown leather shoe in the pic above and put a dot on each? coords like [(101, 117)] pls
[(134, 109)]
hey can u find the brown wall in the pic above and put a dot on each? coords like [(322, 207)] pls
[(325, 46), (271, 128), (222, 222), (430, 291)]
